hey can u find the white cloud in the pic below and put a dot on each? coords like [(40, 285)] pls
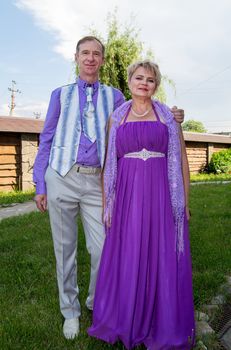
[(190, 40), (68, 20)]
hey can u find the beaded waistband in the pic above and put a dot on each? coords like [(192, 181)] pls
[(144, 154)]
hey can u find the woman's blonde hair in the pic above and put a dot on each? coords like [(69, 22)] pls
[(147, 65)]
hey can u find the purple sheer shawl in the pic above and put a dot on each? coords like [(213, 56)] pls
[(175, 178)]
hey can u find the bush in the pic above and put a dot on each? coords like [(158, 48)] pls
[(220, 162), (15, 197)]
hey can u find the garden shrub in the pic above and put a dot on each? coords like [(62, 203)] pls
[(220, 162)]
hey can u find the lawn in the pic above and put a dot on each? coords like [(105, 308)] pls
[(30, 317), (210, 237), (210, 177)]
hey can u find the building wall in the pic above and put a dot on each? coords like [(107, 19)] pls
[(199, 153), (17, 155), (10, 161)]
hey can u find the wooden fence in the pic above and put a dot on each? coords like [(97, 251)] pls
[(10, 161), (18, 150), (200, 147)]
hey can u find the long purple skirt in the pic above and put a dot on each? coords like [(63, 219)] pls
[(144, 292)]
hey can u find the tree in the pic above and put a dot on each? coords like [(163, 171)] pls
[(194, 126), (122, 47)]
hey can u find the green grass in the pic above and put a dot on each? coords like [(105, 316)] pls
[(30, 317), (15, 197), (210, 229), (210, 177)]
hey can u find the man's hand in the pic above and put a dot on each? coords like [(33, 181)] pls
[(178, 114), (41, 202)]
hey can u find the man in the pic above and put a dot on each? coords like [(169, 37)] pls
[(67, 172)]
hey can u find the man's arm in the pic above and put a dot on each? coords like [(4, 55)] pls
[(42, 159), (185, 171), (178, 114)]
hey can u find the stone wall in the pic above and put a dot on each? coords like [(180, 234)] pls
[(29, 147)]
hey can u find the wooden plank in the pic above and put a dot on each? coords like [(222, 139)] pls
[(10, 166), (192, 156), (9, 173), (196, 166), (197, 160), (198, 150), (9, 149), (8, 180), (9, 159)]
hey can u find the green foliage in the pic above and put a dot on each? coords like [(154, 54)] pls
[(194, 126), (220, 162), (123, 47), (15, 197)]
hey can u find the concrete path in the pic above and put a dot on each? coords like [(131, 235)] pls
[(17, 209), (210, 182)]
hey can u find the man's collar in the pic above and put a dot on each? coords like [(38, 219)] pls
[(83, 84)]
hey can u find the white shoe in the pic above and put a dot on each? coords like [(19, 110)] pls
[(89, 303), (89, 307), (71, 328)]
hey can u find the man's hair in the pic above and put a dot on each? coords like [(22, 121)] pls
[(147, 65), (90, 38)]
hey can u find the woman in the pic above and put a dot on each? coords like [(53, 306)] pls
[(144, 287)]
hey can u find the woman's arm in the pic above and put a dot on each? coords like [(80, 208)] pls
[(185, 171)]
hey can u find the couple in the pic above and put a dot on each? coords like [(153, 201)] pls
[(144, 289)]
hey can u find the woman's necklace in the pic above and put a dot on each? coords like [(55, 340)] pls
[(140, 115)]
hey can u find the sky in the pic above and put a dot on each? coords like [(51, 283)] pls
[(190, 40)]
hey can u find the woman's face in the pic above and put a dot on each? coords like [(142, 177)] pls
[(142, 83)]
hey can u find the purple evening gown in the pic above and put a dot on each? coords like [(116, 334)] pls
[(144, 293)]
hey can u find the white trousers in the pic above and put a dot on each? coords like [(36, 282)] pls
[(69, 196)]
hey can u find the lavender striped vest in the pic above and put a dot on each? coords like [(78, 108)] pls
[(65, 145)]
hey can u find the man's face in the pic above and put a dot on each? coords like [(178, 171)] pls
[(89, 59)]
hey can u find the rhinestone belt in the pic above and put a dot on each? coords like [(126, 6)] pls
[(144, 154)]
